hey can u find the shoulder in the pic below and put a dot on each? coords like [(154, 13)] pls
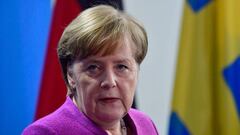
[(137, 115), (65, 120), (142, 122), (38, 129), (46, 125), (60, 121)]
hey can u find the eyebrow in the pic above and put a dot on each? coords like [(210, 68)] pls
[(123, 61), (92, 61)]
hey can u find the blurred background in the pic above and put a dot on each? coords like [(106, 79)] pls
[(189, 82)]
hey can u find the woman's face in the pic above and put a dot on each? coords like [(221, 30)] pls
[(105, 85)]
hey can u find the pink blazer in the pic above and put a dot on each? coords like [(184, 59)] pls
[(68, 120)]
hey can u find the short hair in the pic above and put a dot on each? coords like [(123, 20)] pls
[(98, 29)]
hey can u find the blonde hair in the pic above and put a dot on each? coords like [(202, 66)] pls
[(98, 29)]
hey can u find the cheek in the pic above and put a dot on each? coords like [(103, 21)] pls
[(132, 82), (86, 88), (86, 82), (128, 87)]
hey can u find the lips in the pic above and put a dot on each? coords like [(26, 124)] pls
[(109, 99)]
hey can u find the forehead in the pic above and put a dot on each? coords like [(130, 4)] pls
[(123, 53), (112, 46)]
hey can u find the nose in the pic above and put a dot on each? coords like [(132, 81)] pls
[(108, 80)]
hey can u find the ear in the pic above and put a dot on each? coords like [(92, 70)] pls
[(71, 80)]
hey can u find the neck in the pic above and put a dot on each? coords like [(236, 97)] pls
[(113, 128), (120, 129)]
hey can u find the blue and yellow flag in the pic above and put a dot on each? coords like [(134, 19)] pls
[(206, 99)]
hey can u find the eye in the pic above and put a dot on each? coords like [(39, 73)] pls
[(122, 67), (93, 69)]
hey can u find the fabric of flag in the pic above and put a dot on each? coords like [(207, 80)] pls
[(206, 99), (31, 81), (23, 35), (53, 89)]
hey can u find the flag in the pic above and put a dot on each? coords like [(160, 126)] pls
[(26, 52), (23, 36), (206, 97), (53, 89)]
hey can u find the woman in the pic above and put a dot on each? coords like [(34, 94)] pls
[(100, 53)]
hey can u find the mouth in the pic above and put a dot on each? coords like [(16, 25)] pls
[(109, 100)]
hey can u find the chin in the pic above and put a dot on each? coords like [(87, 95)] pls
[(111, 115)]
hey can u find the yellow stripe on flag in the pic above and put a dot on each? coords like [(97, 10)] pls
[(204, 101)]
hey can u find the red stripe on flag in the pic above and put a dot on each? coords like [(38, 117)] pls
[(53, 90)]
